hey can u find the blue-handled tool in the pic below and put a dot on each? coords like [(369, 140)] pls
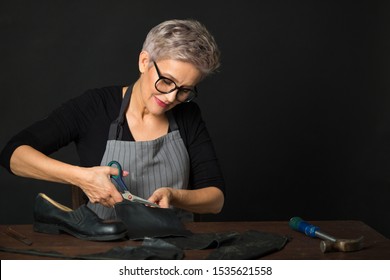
[(123, 188), (329, 243), (300, 225)]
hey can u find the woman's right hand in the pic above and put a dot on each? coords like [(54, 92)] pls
[(96, 184), (94, 181)]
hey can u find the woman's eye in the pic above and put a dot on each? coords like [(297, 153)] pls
[(185, 90), (167, 82)]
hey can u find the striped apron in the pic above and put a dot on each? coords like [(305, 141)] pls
[(163, 162)]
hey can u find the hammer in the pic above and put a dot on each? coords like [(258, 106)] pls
[(328, 243)]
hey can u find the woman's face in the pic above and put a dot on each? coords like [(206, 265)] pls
[(183, 75)]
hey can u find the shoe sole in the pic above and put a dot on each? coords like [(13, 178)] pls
[(57, 229)]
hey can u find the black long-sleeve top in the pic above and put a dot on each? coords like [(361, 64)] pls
[(86, 119)]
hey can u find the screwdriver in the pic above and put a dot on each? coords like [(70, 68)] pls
[(300, 225)]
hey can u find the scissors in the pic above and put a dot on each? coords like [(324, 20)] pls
[(124, 190)]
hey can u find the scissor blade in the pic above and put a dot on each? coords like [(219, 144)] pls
[(133, 198)]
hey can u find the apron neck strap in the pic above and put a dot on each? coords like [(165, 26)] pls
[(172, 122), (116, 127)]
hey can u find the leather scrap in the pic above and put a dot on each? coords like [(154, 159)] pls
[(227, 246), (158, 250), (199, 241), (32, 252), (232, 245), (250, 245), (151, 251)]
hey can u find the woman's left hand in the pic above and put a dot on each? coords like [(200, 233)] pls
[(204, 201), (162, 197)]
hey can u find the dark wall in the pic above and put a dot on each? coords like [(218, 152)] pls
[(299, 112)]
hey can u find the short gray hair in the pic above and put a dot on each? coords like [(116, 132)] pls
[(184, 40)]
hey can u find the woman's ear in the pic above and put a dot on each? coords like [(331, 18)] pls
[(143, 62)]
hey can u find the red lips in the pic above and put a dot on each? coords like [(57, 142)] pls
[(160, 103)]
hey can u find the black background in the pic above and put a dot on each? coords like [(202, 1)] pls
[(299, 112)]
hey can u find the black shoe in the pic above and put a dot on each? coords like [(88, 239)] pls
[(53, 217)]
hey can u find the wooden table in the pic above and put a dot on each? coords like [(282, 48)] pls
[(300, 247)]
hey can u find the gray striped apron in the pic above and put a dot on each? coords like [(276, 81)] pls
[(163, 162)]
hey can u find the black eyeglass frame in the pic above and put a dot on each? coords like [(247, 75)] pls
[(181, 88)]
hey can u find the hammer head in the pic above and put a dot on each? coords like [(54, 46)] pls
[(342, 245)]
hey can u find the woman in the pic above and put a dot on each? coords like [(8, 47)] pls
[(153, 130)]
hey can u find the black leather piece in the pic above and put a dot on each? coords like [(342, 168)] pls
[(151, 249), (231, 245), (199, 241), (250, 245), (32, 252), (156, 250), (54, 218), (143, 221)]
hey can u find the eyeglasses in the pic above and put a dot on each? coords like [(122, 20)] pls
[(165, 85)]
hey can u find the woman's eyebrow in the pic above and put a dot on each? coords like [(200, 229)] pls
[(167, 75)]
